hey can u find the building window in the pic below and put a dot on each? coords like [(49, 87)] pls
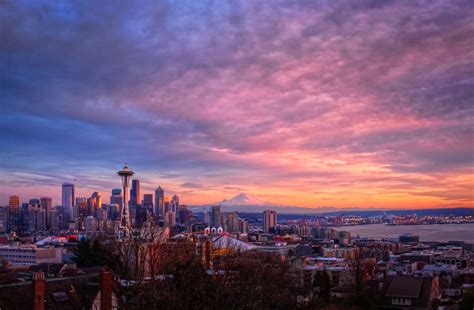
[(401, 301)]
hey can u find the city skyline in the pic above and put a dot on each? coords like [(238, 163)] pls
[(361, 104)]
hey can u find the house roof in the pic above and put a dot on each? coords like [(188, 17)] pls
[(61, 293), (227, 242), (48, 268), (419, 289), (405, 287)]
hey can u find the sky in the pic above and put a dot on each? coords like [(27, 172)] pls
[(358, 104)]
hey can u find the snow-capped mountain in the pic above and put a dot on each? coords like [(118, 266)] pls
[(243, 199), (244, 202)]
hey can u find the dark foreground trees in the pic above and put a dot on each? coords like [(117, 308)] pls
[(93, 253), (234, 280), (244, 281)]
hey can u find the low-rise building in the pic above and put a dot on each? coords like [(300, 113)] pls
[(30, 254)]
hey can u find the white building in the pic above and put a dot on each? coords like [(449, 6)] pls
[(30, 254)]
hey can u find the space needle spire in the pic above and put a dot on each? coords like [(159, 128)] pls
[(126, 175)]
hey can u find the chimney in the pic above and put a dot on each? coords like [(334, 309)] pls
[(106, 289), (39, 291)]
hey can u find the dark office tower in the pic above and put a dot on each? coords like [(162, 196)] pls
[(216, 216), (135, 193), (24, 219), (46, 205), (68, 199), (184, 215), (116, 198), (159, 203), (35, 202), (3, 219), (148, 201)]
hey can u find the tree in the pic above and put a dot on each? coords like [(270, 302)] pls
[(83, 255), (91, 254), (467, 302), (322, 280)]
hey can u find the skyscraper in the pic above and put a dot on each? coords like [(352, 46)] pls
[(159, 203), (68, 199), (232, 222), (98, 199), (269, 220), (116, 198), (146, 207), (176, 202), (243, 226), (94, 203), (13, 223), (135, 193), (46, 205), (14, 202), (147, 200), (216, 216)]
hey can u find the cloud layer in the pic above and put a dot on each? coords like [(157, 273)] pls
[(366, 103)]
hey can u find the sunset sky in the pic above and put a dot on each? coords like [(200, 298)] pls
[(307, 103)]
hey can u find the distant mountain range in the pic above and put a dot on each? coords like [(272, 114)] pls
[(247, 203)]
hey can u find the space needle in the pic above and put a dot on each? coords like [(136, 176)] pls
[(125, 174)]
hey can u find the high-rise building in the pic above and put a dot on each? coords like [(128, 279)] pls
[(207, 218), (146, 208), (36, 218), (98, 199), (94, 204), (81, 202), (14, 216), (243, 226), (80, 211), (232, 222), (3, 219), (176, 202), (35, 201), (184, 215), (23, 223), (116, 198), (135, 193), (159, 203), (216, 216), (68, 199), (47, 205), (14, 202), (269, 220), (147, 200)]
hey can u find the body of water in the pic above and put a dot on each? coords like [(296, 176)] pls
[(435, 232)]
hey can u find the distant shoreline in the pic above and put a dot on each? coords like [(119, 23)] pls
[(439, 232)]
